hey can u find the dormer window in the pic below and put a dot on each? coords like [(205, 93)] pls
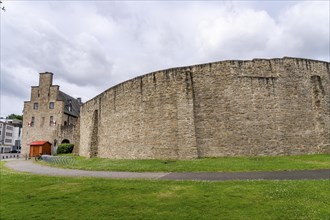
[(70, 105)]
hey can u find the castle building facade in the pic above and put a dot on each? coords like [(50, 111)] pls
[(275, 106), (50, 115)]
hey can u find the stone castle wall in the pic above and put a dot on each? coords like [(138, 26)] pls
[(258, 107), (148, 117)]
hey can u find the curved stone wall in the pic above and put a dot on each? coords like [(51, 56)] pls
[(258, 107)]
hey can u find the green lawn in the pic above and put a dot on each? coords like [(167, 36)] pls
[(235, 164), (25, 196)]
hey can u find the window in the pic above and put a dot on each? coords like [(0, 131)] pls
[(35, 105), (9, 134), (17, 143), (7, 140), (32, 122), (9, 127), (51, 121), (51, 105)]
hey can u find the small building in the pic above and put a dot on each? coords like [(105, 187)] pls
[(10, 135), (38, 148)]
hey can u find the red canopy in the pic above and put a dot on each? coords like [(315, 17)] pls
[(38, 143)]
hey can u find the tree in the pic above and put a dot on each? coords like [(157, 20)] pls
[(2, 7), (13, 116)]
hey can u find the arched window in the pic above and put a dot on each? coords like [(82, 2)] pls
[(65, 141)]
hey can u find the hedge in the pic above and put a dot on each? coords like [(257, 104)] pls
[(65, 148)]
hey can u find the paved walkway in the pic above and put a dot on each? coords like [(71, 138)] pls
[(31, 167)]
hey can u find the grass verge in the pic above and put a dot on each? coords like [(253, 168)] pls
[(25, 196), (220, 164)]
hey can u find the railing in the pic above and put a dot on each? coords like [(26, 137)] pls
[(62, 160), (10, 156)]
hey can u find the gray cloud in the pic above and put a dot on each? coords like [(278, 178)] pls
[(90, 46)]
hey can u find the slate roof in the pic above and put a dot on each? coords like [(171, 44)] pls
[(69, 101)]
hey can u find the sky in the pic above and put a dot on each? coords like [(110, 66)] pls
[(91, 46)]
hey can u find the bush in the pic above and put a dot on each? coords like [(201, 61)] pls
[(65, 149)]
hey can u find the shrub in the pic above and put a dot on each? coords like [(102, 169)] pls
[(65, 148)]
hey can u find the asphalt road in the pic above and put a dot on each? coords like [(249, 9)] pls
[(34, 168)]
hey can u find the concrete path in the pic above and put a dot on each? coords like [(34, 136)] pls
[(35, 168), (31, 167)]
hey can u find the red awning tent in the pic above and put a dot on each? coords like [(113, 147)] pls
[(38, 143), (38, 148)]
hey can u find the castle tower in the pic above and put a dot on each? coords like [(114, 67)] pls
[(50, 115)]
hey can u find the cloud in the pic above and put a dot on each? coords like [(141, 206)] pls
[(91, 46), (15, 85), (239, 35), (77, 57), (11, 104), (306, 27)]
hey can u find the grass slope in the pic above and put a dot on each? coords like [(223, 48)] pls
[(220, 164), (24, 196)]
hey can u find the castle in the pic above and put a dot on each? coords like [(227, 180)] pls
[(51, 115), (227, 108)]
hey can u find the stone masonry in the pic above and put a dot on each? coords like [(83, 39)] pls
[(50, 115), (258, 107)]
